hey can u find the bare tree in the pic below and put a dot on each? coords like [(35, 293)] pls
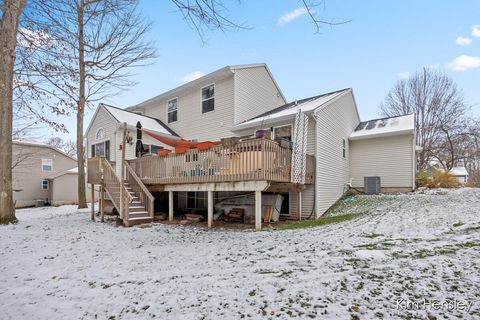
[(87, 53), (438, 106), (9, 21), (67, 146)]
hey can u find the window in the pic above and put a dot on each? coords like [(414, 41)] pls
[(191, 157), (45, 185), (47, 165), (100, 134), (208, 98), (151, 149), (344, 150), (172, 106), (101, 149), (196, 200), (284, 132)]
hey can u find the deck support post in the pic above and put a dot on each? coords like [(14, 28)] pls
[(170, 205), (299, 205), (210, 208), (258, 210), (102, 203), (93, 201)]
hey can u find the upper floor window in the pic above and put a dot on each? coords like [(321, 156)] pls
[(344, 149), (208, 98), (172, 106), (100, 134), (47, 165), (151, 149)]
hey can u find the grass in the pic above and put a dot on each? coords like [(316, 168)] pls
[(320, 222)]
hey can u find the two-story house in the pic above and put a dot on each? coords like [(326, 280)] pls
[(310, 151), (43, 173)]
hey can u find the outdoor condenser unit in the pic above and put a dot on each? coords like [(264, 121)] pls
[(371, 185)]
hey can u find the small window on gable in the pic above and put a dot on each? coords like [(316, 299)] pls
[(208, 98), (47, 165), (100, 134), (344, 148), (172, 106), (45, 185)]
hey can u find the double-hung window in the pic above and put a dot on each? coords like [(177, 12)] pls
[(45, 185), (208, 98), (47, 165), (172, 106)]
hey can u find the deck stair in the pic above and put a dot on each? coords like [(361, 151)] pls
[(137, 204)]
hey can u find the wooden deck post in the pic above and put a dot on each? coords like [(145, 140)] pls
[(210, 208), (102, 203), (122, 175), (299, 205), (170, 205), (258, 210), (93, 201)]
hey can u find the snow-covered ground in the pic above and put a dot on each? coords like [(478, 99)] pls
[(57, 264)]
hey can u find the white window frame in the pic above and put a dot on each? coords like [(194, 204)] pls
[(43, 164), (168, 112), (285, 125), (42, 185), (100, 130), (213, 97)]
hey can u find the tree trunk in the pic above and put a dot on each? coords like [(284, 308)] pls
[(11, 10), (82, 197)]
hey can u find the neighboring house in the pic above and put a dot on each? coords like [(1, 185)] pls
[(245, 102), (38, 174), (460, 173)]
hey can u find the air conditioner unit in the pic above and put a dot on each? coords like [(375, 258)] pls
[(371, 185)]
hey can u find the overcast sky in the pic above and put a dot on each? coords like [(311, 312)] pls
[(385, 41)]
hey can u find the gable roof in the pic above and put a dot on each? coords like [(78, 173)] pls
[(42, 145), (382, 127), (288, 111), (131, 118), (458, 171), (219, 73)]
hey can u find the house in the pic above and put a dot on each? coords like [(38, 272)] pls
[(460, 173), (309, 151), (42, 172)]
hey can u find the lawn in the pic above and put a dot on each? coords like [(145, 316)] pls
[(354, 264)]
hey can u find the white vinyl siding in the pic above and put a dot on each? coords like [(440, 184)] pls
[(191, 122), (335, 122), (390, 158), (105, 122), (255, 93)]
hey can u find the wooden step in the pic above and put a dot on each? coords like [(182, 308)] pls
[(132, 209), (138, 214), (137, 220)]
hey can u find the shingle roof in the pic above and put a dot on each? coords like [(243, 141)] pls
[(131, 118), (384, 127)]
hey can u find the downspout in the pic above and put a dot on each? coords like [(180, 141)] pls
[(314, 205)]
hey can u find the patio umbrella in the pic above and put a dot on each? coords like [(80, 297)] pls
[(139, 145)]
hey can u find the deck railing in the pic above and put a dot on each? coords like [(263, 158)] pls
[(257, 159)]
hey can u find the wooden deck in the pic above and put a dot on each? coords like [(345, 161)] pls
[(258, 159)]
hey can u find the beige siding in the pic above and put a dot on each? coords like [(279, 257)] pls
[(391, 158), (255, 93), (192, 123), (102, 120), (64, 190), (28, 174), (335, 122)]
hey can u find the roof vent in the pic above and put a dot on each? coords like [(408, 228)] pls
[(371, 185)]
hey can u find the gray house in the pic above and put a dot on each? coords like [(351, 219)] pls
[(309, 151), (43, 173)]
